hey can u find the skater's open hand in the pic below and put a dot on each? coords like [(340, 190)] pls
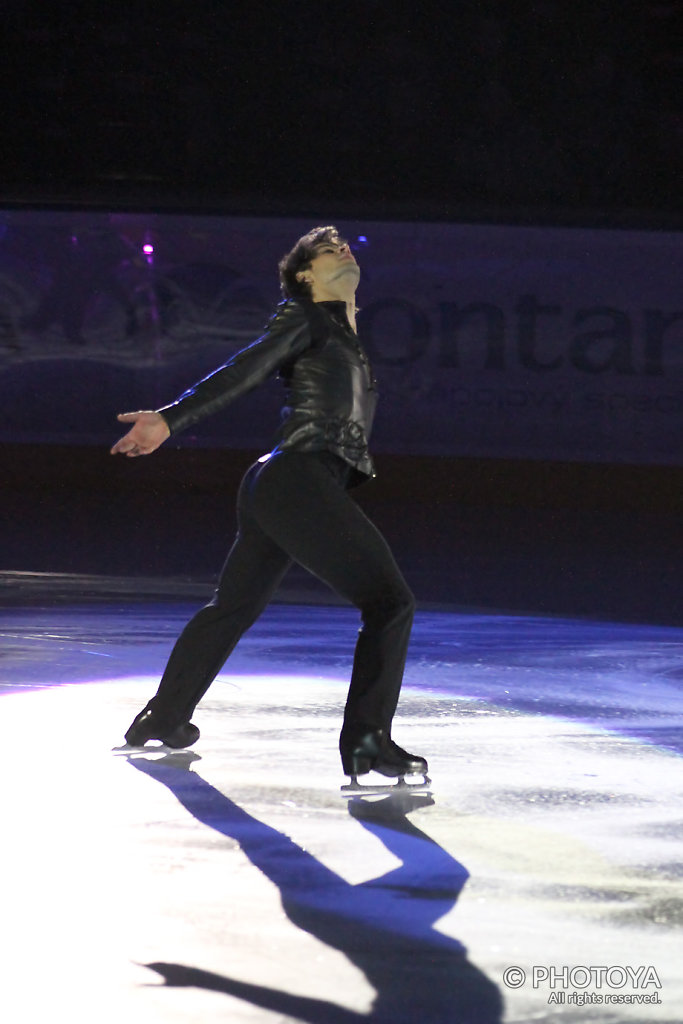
[(149, 430)]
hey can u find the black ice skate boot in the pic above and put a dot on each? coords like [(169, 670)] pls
[(375, 751), (147, 726)]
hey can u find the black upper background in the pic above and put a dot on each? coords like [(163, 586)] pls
[(553, 110)]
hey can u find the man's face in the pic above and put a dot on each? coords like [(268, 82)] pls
[(332, 264)]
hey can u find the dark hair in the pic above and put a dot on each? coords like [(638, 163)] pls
[(299, 258)]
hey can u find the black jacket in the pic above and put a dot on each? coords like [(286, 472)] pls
[(331, 395)]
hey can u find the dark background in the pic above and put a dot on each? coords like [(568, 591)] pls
[(542, 112), (536, 109)]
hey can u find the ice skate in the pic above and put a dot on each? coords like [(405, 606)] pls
[(146, 726), (374, 751)]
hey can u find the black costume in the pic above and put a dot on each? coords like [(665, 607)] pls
[(293, 505)]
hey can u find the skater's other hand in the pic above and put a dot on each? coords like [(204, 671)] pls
[(148, 432)]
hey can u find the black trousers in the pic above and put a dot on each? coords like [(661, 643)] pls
[(295, 507)]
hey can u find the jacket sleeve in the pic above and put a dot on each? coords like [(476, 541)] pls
[(288, 334)]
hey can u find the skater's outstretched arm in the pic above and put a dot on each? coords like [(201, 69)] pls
[(287, 335), (289, 332), (148, 432)]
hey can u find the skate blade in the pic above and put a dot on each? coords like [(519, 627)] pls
[(401, 786)]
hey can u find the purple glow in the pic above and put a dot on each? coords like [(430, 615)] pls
[(148, 249)]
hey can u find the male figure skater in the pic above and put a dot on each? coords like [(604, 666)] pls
[(294, 505)]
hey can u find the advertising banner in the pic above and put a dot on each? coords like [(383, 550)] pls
[(487, 341)]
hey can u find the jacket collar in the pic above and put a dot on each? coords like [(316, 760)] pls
[(337, 309)]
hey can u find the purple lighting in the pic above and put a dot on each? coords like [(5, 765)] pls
[(148, 248)]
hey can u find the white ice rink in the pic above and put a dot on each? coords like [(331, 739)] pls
[(539, 881)]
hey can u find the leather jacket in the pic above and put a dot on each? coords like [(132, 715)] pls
[(331, 394)]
